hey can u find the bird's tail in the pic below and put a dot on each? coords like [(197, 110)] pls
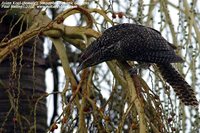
[(183, 90)]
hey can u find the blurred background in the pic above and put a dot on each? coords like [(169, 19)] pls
[(41, 92)]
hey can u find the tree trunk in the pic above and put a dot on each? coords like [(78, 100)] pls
[(22, 82)]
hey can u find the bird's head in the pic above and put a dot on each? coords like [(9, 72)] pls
[(93, 55)]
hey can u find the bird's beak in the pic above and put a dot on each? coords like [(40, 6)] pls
[(79, 68)]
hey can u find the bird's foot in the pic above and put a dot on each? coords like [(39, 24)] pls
[(133, 71), (144, 65)]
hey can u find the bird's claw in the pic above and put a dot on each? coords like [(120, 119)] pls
[(133, 71)]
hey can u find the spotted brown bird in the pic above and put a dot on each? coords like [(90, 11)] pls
[(132, 42)]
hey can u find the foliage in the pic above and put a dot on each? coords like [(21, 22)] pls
[(105, 98)]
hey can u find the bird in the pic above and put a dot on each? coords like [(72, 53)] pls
[(134, 42)]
